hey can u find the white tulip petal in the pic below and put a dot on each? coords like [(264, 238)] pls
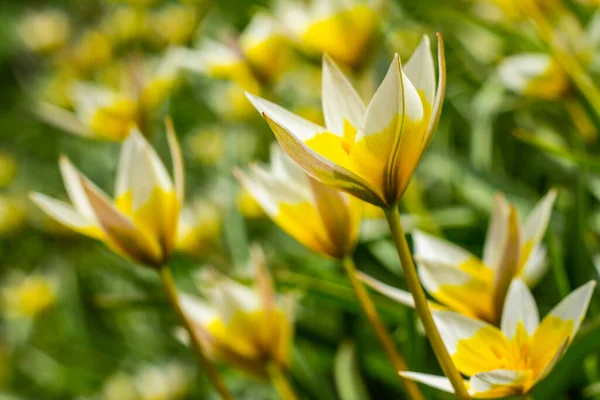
[(428, 247), (61, 211), (341, 102), (503, 381), (147, 172), (454, 327), (519, 308), (228, 296), (496, 233), (536, 266), (439, 382), (421, 71), (574, 306), (399, 295), (517, 71), (537, 221), (395, 99), (296, 125), (196, 310), (72, 179)]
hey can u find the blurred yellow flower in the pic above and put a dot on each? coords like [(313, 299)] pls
[(28, 296), (141, 223), (92, 49), (199, 228), (169, 381), (370, 152), (342, 29), (207, 146), (509, 361), (248, 328), (45, 32), (126, 24), (8, 169), (248, 206), (175, 23), (266, 47), (165, 382), (535, 75), (12, 214), (104, 113), (119, 387), (323, 219), (513, 11), (477, 287)]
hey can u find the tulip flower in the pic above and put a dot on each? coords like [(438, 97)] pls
[(535, 75), (342, 29), (471, 286), (28, 296), (323, 219), (512, 359), (370, 152), (105, 113), (141, 222), (199, 228), (45, 32), (248, 328), (260, 54)]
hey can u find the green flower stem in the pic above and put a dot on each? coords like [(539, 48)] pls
[(412, 280), (384, 337), (280, 382), (169, 285)]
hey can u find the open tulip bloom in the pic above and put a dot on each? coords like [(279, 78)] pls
[(370, 152), (141, 223), (323, 219), (249, 328), (471, 286), (509, 361)]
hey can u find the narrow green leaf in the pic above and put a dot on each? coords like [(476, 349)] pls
[(348, 381)]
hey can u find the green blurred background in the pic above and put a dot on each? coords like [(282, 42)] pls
[(91, 326)]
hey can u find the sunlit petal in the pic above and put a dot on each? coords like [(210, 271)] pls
[(342, 106), (439, 382), (520, 310), (499, 383), (474, 345), (496, 233)]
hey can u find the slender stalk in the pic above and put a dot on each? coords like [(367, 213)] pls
[(281, 382), (205, 364), (384, 337), (412, 280)]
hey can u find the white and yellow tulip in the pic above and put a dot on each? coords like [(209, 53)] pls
[(510, 360), (248, 328), (477, 287), (105, 113), (141, 223), (534, 74), (370, 152), (323, 219), (342, 29)]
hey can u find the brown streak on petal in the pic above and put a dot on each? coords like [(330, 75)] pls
[(509, 263), (124, 235)]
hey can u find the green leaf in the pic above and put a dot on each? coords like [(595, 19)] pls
[(348, 380)]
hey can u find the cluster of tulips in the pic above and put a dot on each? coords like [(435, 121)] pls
[(484, 323)]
